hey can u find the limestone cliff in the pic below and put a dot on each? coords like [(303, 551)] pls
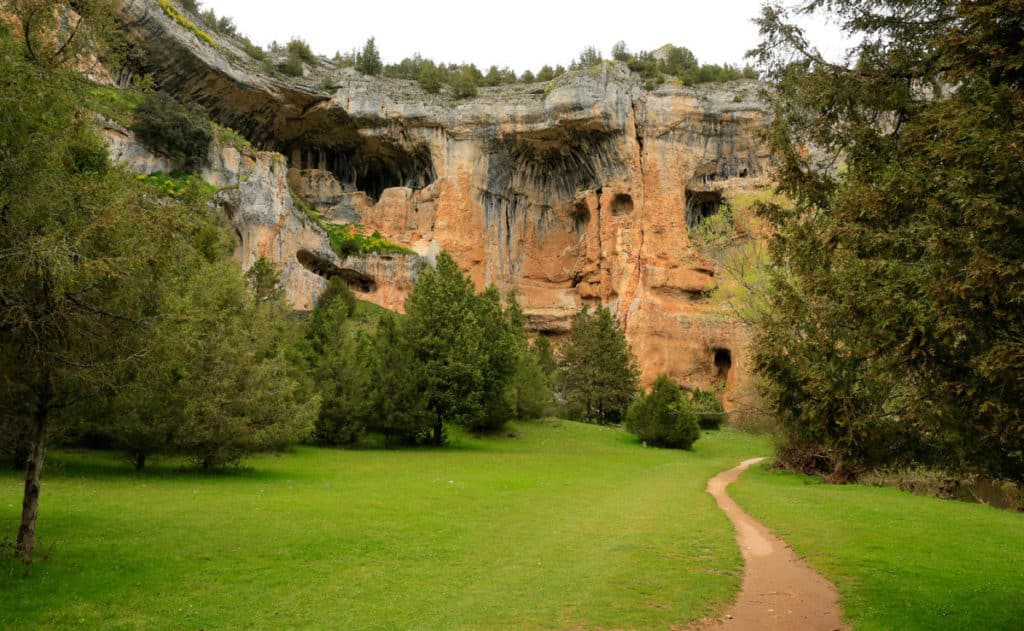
[(576, 192)]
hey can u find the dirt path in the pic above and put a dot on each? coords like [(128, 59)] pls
[(780, 592)]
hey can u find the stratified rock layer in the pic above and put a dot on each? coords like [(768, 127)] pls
[(576, 192)]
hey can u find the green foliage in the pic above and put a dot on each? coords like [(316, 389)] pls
[(589, 56), (300, 49), (337, 367), (463, 82), (597, 370), (894, 332), (709, 409), (179, 184), (230, 385), (447, 340), (715, 232), (664, 417), (545, 73), (431, 78), (223, 25), (368, 60), (176, 15), (254, 51), (116, 290), (264, 280), (398, 407), (298, 54), (232, 138), (496, 76), (182, 133), (678, 62), (545, 356), (117, 104), (346, 242)]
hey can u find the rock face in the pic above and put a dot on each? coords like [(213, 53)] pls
[(576, 192)]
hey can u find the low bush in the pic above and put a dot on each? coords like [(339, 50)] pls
[(664, 417), (709, 409)]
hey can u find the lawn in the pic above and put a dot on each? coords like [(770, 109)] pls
[(562, 525), (900, 561)]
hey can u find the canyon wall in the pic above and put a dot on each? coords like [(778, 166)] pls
[(575, 192)]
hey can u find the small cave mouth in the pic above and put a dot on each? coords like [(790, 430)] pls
[(723, 363), (622, 204), (580, 214), (357, 281), (700, 205)]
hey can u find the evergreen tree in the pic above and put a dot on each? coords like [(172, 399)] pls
[(532, 385), (447, 338), (368, 61), (338, 366), (87, 248), (397, 406), (597, 371), (545, 355), (896, 332), (234, 385), (664, 417)]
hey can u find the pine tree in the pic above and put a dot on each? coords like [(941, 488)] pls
[(446, 335), (368, 61), (597, 370)]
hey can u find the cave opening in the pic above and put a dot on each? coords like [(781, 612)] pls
[(357, 281), (723, 363), (622, 204), (370, 167), (700, 205), (580, 217)]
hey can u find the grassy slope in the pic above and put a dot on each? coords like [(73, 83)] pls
[(899, 561), (566, 525)]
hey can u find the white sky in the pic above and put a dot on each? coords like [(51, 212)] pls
[(525, 34)]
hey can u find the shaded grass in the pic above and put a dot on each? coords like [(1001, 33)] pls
[(899, 561), (562, 525)]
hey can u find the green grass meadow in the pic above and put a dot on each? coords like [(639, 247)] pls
[(898, 560), (562, 525)]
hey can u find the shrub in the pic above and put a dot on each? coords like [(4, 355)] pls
[(463, 83), (664, 416), (182, 133), (709, 409), (300, 49)]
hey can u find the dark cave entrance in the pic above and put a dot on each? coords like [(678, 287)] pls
[(357, 281), (622, 204), (700, 205), (723, 363), (370, 166)]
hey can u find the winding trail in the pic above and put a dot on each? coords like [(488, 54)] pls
[(780, 592)]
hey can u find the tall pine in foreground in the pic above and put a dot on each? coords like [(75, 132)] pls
[(598, 372), (896, 329)]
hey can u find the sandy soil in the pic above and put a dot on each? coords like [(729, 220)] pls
[(780, 592)]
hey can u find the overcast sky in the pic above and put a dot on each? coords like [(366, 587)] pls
[(525, 34)]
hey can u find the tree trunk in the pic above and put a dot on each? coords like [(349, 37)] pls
[(30, 504), (139, 460), (438, 433)]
